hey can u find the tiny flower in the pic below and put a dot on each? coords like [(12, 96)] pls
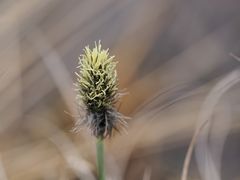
[(97, 91)]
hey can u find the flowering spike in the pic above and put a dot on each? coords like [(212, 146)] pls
[(97, 91)]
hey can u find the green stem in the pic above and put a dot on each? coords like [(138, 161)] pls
[(100, 159)]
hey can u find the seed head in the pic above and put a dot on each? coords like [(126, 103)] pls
[(97, 91)]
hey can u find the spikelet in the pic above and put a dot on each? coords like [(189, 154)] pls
[(97, 91)]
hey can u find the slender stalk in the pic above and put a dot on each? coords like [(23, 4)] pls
[(100, 159)]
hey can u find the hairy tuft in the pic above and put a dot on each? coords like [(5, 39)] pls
[(97, 91)]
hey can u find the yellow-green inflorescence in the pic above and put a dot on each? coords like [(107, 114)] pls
[(97, 91)]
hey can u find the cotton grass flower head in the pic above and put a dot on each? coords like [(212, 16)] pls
[(97, 91)]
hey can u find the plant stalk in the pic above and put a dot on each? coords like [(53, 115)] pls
[(100, 159)]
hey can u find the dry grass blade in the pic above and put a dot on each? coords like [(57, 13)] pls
[(207, 109)]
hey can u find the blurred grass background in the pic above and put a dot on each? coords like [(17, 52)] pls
[(171, 53)]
